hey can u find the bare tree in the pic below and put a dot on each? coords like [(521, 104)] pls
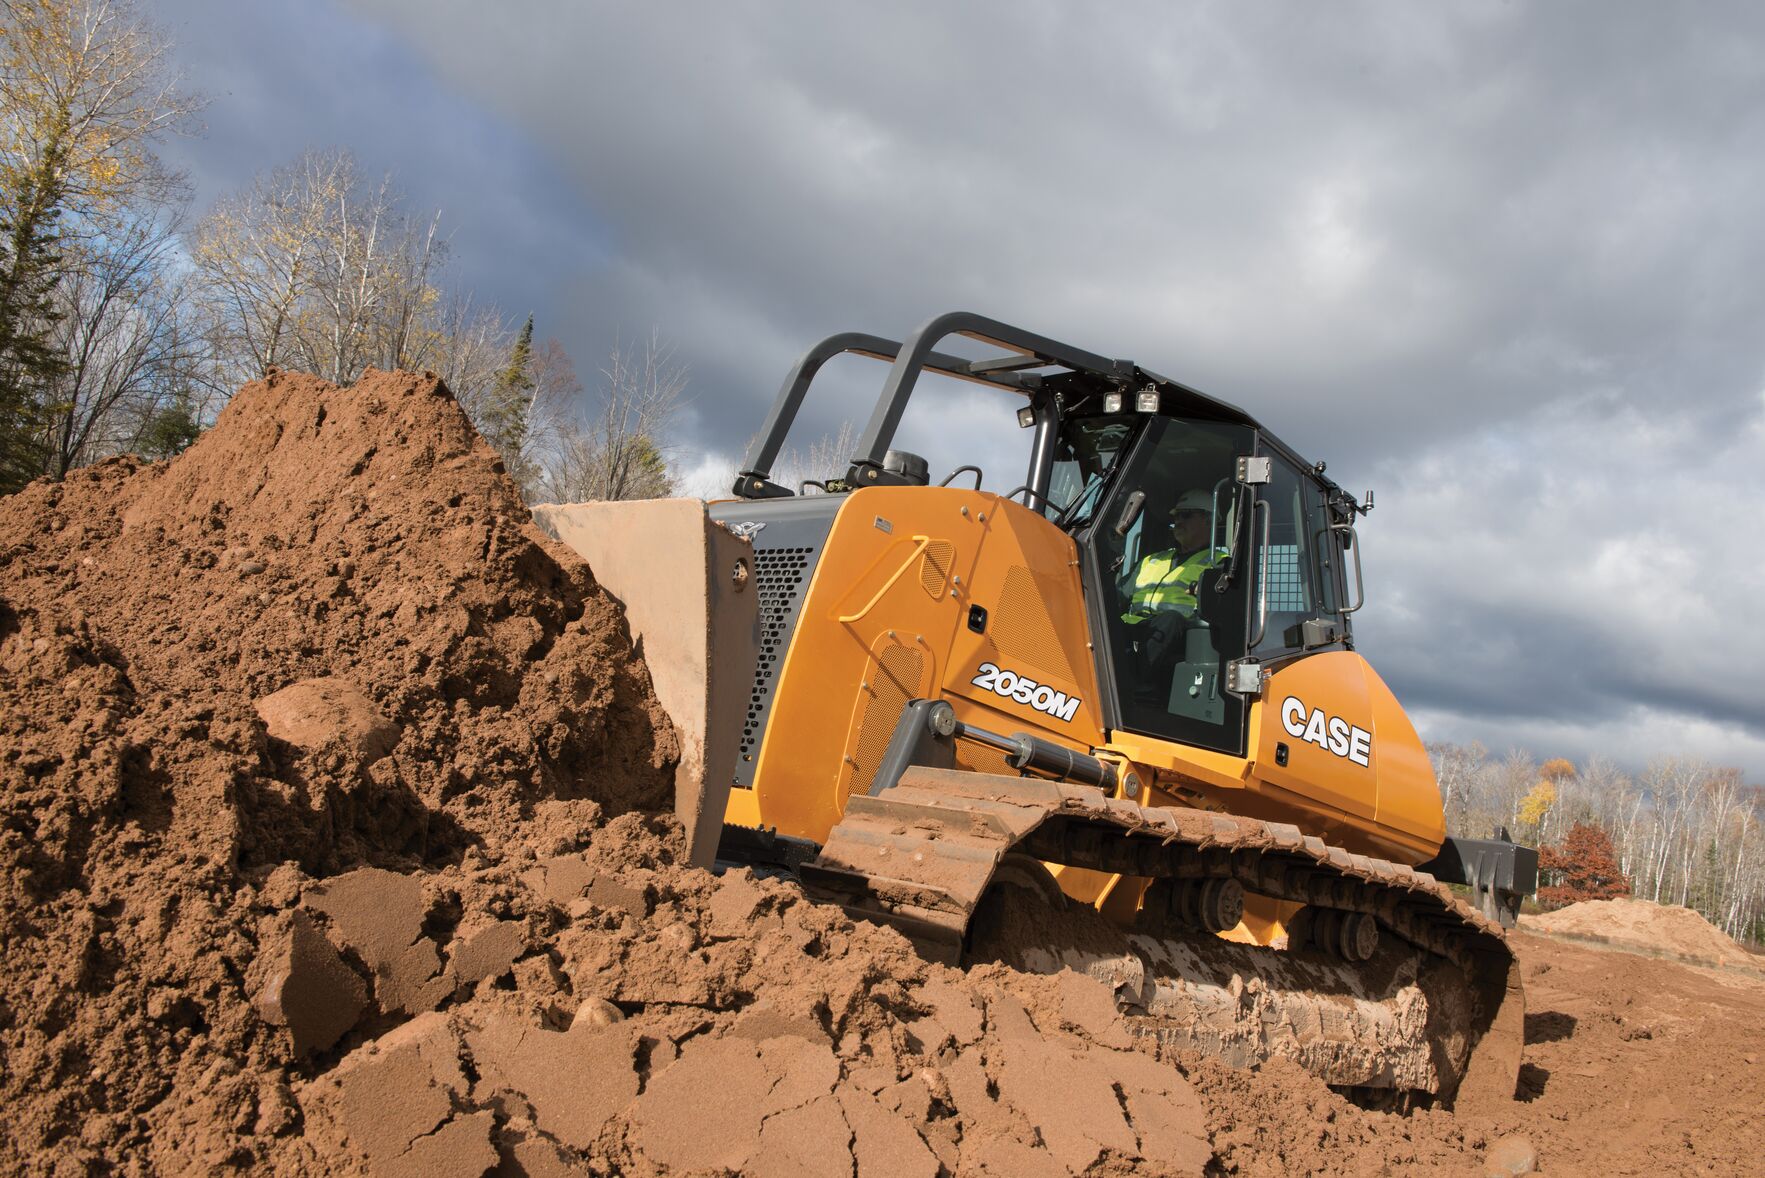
[(618, 450), (1455, 766), (257, 253), (557, 397), (825, 458), (121, 329), (467, 345), (314, 267)]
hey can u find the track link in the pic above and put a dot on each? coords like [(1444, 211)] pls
[(920, 856)]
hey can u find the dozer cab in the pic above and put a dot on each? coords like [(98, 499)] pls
[(1108, 718)]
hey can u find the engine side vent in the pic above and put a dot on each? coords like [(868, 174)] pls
[(934, 568), (780, 576), (1022, 626)]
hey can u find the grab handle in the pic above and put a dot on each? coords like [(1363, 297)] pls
[(1262, 574), (1360, 586), (919, 543)]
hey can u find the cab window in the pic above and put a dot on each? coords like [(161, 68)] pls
[(1084, 457), (1300, 565)]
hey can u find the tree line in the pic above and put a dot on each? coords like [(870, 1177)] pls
[(1682, 831), (127, 320)]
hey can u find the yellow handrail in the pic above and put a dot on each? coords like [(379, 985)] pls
[(919, 543)]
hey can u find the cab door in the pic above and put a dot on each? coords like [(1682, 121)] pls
[(1164, 673)]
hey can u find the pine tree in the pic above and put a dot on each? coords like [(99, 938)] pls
[(503, 420), (171, 430), (30, 363)]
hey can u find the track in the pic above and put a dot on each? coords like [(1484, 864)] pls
[(1436, 1008)]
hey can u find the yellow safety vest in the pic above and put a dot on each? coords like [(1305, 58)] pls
[(1162, 582)]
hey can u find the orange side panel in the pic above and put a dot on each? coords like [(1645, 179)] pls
[(1318, 710), (1409, 793), (885, 619), (1353, 759)]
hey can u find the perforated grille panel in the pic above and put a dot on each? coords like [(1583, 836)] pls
[(1280, 570), (894, 679), (934, 568), (1022, 627), (780, 576)]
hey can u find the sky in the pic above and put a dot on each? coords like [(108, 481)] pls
[(1499, 262)]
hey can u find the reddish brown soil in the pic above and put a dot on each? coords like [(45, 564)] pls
[(1640, 926), (328, 845)]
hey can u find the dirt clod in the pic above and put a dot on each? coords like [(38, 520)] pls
[(310, 991), (314, 713), (1510, 1156)]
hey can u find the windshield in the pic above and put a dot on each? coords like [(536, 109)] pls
[(1084, 457)]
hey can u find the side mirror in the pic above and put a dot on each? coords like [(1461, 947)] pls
[(1130, 512)]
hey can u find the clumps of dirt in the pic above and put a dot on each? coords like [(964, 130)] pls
[(1641, 926), (648, 1019), (325, 637)]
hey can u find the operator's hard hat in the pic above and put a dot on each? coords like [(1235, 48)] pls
[(1196, 500)]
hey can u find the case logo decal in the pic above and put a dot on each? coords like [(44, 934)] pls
[(1024, 690), (1333, 734)]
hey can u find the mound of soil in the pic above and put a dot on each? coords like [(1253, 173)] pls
[(323, 637), (1645, 927)]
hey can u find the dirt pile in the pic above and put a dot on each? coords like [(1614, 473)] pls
[(323, 637), (1644, 927)]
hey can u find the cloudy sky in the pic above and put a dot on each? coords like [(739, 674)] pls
[(1503, 263)]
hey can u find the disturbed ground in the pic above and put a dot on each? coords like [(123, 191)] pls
[(330, 843), (1639, 926)]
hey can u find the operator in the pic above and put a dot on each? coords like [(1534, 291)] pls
[(1166, 582)]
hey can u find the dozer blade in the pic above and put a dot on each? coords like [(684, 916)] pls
[(687, 587), (1437, 1009)]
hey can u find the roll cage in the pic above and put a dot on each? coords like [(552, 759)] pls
[(1056, 380)]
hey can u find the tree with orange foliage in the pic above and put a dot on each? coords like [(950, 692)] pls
[(1584, 867), (1557, 770)]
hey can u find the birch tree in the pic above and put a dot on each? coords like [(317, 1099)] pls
[(315, 267)]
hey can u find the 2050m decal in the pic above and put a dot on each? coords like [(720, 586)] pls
[(1024, 690)]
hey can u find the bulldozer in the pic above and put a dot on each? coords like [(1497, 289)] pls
[(1109, 719)]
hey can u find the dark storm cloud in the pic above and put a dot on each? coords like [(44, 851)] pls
[(287, 75), (1409, 219), (1498, 260)]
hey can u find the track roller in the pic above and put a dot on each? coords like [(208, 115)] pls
[(1212, 905), (1352, 936)]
